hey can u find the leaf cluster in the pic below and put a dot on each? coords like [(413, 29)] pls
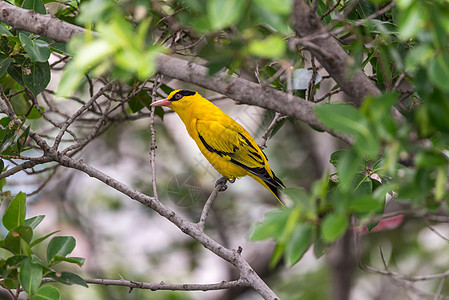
[(22, 269)]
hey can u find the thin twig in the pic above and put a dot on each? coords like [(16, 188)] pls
[(328, 94), (440, 288), (44, 183), (81, 110), (310, 92), (162, 286), (278, 118), (393, 274), (26, 165), (157, 83), (38, 159), (207, 206), (435, 231), (330, 10)]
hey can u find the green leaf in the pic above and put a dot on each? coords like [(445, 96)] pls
[(25, 247), (276, 21), (20, 103), (15, 68), (348, 167), (37, 77), (440, 183), (344, 118), (364, 204), (5, 61), (277, 255), (426, 158), (299, 243), (439, 70), (34, 113), (38, 50), (15, 213), (410, 21), (362, 185), (46, 292), (337, 156), (68, 278), (224, 13), (30, 276), (9, 134), (159, 111), (60, 246), (320, 247), (272, 225), (334, 226), (276, 6), (347, 119), (299, 197), (73, 260), (39, 240), (15, 261), (139, 101), (4, 31), (87, 57), (36, 5), (36, 260), (13, 241), (273, 46), (277, 127), (22, 139), (378, 111)]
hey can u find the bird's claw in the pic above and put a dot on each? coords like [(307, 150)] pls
[(222, 183)]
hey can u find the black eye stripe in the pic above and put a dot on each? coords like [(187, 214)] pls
[(182, 93)]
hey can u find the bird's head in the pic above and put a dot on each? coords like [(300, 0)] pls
[(177, 100)]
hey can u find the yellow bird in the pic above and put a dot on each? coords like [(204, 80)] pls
[(230, 149)]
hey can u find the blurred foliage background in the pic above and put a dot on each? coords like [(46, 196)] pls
[(362, 221)]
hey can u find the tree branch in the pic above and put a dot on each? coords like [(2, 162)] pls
[(162, 286), (45, 25), (192, 229), (189, 228), (241, 90), (202, 222), (330, 55)]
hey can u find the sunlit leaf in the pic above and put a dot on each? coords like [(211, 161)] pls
[(410, 21), (273, 46), (224, 13), (272, 226), (277, 6)]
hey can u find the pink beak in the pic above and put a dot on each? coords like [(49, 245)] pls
[(162, 102)]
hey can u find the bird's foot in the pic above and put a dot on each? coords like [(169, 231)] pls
[(222, 183)]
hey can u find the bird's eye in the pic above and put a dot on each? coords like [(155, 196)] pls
[(178, 96)]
